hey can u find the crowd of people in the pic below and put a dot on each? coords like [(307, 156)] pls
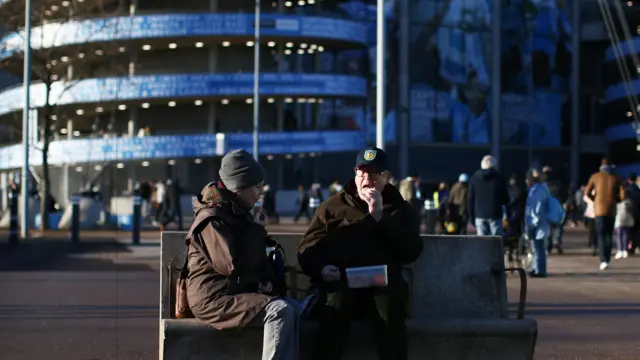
[(523, 212), (161, 202)]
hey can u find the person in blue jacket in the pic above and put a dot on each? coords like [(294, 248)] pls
[(536, 224)]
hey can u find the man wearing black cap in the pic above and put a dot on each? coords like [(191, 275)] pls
[(368, 223)]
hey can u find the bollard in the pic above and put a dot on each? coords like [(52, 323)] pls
[(135, 221), (13, 220), (75, 219), (430, 217)]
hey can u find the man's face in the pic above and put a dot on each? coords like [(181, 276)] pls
[(251, 195), (370, 178)]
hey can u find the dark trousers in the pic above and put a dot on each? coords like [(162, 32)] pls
[(604, 231), (304, 210), (634, 236), (593, 236), (557, 233), (384, 308), (622, 237)]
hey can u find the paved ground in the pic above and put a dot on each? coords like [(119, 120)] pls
[(99, 300)]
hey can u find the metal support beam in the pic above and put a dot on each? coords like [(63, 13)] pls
[(256, 84), (496, 79), (24, 201), (380, 78), (575, 94), (403, 103)]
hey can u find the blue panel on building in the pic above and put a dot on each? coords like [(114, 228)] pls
[(185, 25), (182, 146), (617, 92), (620, 132), (192, 85)]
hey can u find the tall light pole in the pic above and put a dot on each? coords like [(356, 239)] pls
[(24, 201), (256, 83), (380, 78), (575, 94), (496, 79)]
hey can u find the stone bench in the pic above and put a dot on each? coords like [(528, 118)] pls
[(459, 308)]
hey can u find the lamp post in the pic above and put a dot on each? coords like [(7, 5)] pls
[(24, 202), (256, 83), (380, 78)]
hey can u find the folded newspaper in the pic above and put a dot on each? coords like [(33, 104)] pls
[(367, 276)]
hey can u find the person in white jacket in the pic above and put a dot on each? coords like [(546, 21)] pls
[(590, 222), (623, 224)]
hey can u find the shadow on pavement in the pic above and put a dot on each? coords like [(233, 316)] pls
[(56, 255), (77, 312)]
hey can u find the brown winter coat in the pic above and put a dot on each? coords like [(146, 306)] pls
[(230, 280), (458, 196), (343, 234), (608, 191)]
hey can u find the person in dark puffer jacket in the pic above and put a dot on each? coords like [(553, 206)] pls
[(487, 198)]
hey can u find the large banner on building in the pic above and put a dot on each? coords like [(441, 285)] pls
[(451, 67)]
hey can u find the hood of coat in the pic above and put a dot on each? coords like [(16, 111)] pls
[(216, 200)]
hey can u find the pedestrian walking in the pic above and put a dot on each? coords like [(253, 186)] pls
[(608, 191), (537, 225), (487, 197), (623, 225)]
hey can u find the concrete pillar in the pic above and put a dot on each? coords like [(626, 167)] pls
[(211, 119), (213, 6), (70, 73), (133, 7), (112, 123), (131, 181), (34, 127), (213, 59), (280, 102), (133, 59), (280, 107), (4, 193), (69, 129), (65, 185), (182, 172), (298, 107), (132, 124)]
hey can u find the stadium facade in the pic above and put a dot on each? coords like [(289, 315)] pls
[(152, 89), (621, 109)]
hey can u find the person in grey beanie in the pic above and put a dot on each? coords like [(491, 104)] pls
[(231, 283), (240, 171)]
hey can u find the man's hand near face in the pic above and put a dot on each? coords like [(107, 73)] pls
[(373, 198)]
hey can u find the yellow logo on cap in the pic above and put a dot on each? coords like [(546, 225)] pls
[(369, 155)]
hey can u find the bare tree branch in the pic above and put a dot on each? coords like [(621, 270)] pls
[(53, 62)]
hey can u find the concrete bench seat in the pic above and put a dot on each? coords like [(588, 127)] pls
[(458, 308), (445, 339)]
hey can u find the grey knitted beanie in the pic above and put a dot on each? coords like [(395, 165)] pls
[(239, 170)]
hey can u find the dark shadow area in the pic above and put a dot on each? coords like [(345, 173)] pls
[(596, 275), (579, 305), (58, 255), (77, 312), (576, 309)]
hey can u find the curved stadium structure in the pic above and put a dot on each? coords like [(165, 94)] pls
[(150, 89), (622, 131), (164, 86)]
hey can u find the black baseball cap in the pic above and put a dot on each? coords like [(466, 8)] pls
[(372, 158)]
